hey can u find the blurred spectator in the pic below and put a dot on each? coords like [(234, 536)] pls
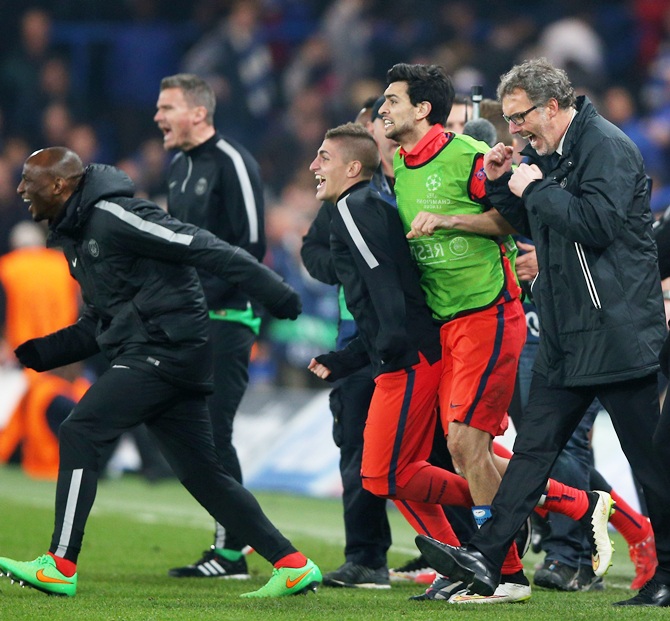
[(55, 84), (56, 123), (236, 60), (346, 26), (16, 148), (83, 140), (491, 110), (293, 346), (147, 167), (311, 66), (139, 54), (39, 294), (12, 209), (20, 72), (618, 106), (651, 18), (295, 135), (38, 297), (461, 113), (31, 435), (573, 44)]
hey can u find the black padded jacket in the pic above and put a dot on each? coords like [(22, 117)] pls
[(136, 267)]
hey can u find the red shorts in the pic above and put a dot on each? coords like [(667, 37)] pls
[(400, 427), (480, 356)]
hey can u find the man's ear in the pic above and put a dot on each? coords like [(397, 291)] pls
[(354, 169), (552, 107), (423, 109), (59, 185), (199, 114)]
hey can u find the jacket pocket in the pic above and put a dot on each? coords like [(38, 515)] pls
[(126, 327)]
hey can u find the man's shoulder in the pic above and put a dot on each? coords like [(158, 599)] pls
[(363, 197), (230, 148), (462, 144)]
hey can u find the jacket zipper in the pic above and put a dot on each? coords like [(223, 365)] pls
[(590, 285), (188, 174)]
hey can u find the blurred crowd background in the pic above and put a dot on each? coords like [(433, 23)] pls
[(86, 74)]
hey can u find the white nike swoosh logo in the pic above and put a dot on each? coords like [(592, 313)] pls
[(74, 262)]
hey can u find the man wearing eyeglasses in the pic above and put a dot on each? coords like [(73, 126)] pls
[(583, 197)]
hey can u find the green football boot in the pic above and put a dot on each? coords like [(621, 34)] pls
[(41, 574), (290, 581)]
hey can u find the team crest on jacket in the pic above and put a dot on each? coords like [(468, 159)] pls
[(200, 186), (93, 248), (433, 183)]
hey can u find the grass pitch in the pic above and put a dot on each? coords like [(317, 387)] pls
[(137, 531)]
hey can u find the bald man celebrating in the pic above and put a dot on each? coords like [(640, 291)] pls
[(145, 311)]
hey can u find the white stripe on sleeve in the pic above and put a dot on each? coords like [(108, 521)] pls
[(356, 236), (245, 184), (143, 225)]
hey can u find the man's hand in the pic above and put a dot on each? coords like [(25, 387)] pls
[(522, 177), (498, 161), (526, 264), (425, 223), (28, 356), (288, 307), (318, 369)]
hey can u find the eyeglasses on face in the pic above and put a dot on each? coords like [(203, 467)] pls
[(518, 118)]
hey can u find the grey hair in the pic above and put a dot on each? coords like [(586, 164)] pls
[(196, 91), (541, 81)]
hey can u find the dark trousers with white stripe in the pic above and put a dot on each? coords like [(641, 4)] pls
[(551, 417), (179, 420)]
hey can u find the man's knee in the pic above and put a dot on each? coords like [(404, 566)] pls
[(376, 485), (78, 447), (468, 446)]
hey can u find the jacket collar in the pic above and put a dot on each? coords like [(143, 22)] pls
[(204, 146), (357, 186)]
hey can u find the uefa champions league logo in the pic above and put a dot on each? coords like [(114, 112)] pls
[(458, 246), (433, 183)]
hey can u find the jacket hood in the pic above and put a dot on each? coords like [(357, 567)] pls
[(100, 181)]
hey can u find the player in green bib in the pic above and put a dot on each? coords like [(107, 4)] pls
[(468, 279)]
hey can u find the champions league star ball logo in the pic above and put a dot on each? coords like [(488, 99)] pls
[(433, 183)]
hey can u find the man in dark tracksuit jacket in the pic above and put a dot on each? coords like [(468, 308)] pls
[(367, 534), (584, 201), (215, 184), (145, 311), (397, 336)]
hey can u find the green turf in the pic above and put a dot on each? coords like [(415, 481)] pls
[(137, 531)]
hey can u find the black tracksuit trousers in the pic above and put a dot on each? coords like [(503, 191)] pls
[(552, 415), (122, 398), (231, 344)]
